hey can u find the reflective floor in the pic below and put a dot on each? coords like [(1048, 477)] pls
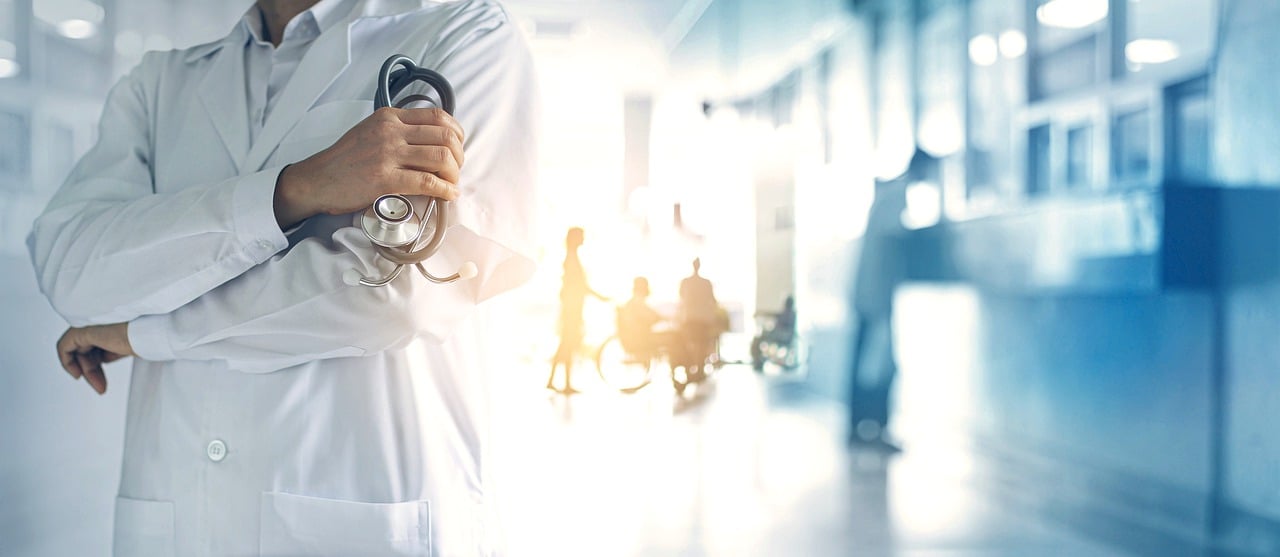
[(750, 466)]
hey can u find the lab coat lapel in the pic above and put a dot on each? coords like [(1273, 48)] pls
[(328, 57), (226, 103)]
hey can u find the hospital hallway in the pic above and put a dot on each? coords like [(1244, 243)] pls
[(1010, 270), (757, 464), (756, 467)]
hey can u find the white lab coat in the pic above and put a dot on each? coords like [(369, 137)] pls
[(275, 409)]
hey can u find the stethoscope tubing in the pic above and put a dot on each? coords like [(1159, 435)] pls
[(398, 72)]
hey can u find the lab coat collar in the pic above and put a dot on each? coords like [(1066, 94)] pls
[(202, 50), (328, 13), (327, 57), (228, 110)]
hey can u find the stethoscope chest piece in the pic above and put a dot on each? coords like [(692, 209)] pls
[(391, 222)]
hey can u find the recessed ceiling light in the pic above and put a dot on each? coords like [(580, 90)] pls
[(1071, 14), (1151, 51), (983, 50), (1013, 43), (9, 68), (77, 28)]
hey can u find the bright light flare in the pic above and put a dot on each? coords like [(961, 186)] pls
[(1151, 51), (9, 65), (77, 28), (1072, 14), (983, 50), (1013, 43), (924, 205)]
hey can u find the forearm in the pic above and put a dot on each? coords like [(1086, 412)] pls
[(112, 260), (297, 308)]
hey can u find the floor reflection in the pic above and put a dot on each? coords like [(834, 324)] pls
[(749, 466)]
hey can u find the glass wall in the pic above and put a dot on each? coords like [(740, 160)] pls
[(1079, 97)]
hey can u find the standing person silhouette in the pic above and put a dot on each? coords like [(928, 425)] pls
[(882, 266), (699, 316), (573, 296)]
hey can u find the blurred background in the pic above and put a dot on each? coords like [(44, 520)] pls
[(1033, 245)]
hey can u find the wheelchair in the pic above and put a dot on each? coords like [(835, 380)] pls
[(626, 360), (773, 346)]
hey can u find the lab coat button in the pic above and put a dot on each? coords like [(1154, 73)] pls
[(217, 450)]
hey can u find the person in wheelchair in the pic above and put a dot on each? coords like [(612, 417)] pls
[(781, 333), (636, 322)]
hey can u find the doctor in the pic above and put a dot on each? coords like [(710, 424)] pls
[(275, 408)]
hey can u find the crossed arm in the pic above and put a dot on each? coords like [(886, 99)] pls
[(265, 308)]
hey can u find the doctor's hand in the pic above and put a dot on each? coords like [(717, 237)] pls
[(83, 350), (415, 151)]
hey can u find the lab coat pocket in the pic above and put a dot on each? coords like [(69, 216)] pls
[(299, 525), (143, 528)]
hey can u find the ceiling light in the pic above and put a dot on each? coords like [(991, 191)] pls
[(1013, 43), (9, 68), (1071, 14), (983, 50), (77, 28), (1151, 51)]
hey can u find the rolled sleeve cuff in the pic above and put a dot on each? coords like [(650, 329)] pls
[(149, 337), (253, 203)]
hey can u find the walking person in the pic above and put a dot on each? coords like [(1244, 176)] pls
[(573, 297)]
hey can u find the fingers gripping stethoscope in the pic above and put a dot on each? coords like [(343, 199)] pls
[(391, 223)]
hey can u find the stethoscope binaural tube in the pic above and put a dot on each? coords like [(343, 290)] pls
[(391, 223)]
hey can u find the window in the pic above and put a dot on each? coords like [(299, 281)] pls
[(1039, 160), (1068, 37), (1080, 156), (1189, 112), (1117, 57), (1131, 146)]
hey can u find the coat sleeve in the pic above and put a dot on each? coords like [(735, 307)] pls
[(297, 307), (108, 248)]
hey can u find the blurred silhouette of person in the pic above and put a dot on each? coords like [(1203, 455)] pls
[(882, 265), (573, 295), (780, 333), (636, 322), (699, 318)]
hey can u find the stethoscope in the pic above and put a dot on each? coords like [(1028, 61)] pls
[(391, 223)]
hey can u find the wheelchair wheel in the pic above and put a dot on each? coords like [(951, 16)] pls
[(622, 371)]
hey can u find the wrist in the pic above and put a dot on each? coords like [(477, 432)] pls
[(112, 338), (290, 202)]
